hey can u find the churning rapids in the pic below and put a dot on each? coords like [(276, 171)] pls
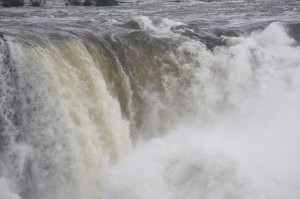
[(151, 100)]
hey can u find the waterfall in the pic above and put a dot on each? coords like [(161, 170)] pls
[(150, 113)]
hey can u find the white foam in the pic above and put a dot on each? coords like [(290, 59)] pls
[(5, 190), (73, 136), (242, 140), (229, 161), (160, 27), (250, 150)]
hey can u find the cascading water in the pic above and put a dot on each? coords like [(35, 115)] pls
[(245, 147), (71, 131), (142, 106)]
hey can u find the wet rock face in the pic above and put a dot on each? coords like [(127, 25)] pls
[(294, 30), (14, 3), (92, 2), (106, 2), (8, 3), (37, 3), (73, 2), (87, 2)]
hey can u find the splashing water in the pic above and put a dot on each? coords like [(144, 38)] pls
[(251, 149), (150, 112)]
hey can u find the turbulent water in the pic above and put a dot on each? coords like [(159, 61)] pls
[(151, 99)]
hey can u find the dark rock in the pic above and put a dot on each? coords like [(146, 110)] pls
[(294, 30), (35, 3), (15, 3), (73, 2), (87, 2), (133, 24), (106, 2)]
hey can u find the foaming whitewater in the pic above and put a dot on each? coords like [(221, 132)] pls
[(110, 106), (70, 131), (248, 149)]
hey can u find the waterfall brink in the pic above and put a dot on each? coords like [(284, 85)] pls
[(150, 113), (72, 128), (9, 101), (9, 116), (238, 139)]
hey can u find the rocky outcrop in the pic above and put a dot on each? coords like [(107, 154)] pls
[(9, 3), (92, 2), (106, 2), (37, 3)]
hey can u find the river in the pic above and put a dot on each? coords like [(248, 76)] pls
[(150, 99)]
